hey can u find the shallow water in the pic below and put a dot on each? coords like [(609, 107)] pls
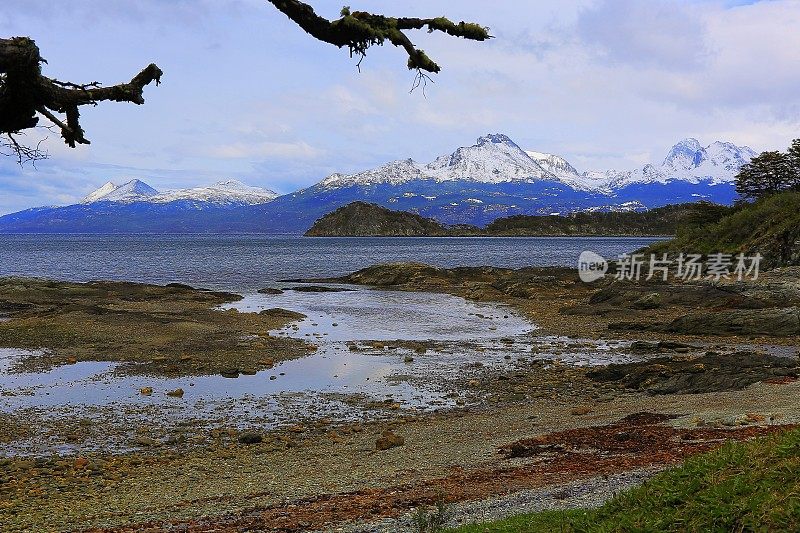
[(332, 319), (461, 333), (365, 314)]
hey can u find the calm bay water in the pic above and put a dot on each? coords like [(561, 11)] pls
[(244, 263)]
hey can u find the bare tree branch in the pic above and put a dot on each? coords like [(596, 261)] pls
[(24, 92), (359, 30), (10, 146)]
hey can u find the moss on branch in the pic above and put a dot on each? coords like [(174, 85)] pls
[(359, 30)]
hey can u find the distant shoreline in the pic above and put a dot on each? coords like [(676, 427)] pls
[(303, 236), (493, 236), (361, 219)]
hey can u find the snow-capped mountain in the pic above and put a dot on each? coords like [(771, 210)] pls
[(230, 191), (100, 193), (687, 161), (495, 178), (495, 158), (132, 191), (473, 185), (394, 173), (221, 193), (566, 173)]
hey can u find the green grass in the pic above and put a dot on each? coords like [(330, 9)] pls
[(770, 226), (752, 486)]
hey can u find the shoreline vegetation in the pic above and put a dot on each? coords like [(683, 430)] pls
[(707, 492), (710, 363)]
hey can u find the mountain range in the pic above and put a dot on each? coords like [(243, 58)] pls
[(473, 185), (229, 192)]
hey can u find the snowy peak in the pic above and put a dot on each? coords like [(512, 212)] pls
[(565, 172), (100, 193), (132, 191), (729, 156), (223, 192), (556, 165), (719, 162), (685, 155), (687, 161), (495, 158), (395, 172), (552, 163), (495, 138)]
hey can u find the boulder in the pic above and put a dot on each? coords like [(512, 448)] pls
[(779, 322), (711, 372), (388, 440), (282, 313), (269, 290), (250, 437), (648, 301)]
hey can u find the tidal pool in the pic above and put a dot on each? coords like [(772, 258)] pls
[(365, 358)]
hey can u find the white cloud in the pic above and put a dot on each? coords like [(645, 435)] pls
[(656, 33), (239, 150)]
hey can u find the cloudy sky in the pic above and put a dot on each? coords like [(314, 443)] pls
[(247, 95)]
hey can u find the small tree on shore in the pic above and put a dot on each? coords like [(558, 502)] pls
[(794, 162), (770, 173)]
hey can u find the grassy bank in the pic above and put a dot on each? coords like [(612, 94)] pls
[(770, 226), (752, 486)]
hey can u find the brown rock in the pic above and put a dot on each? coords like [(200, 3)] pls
[(388, 440), (270, 290), (177, 393), (147, 442), (699, 367), (250, 438)]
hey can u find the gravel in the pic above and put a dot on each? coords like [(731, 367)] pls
[(582, 494)]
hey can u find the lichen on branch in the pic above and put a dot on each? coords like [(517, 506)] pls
[(359, 30)]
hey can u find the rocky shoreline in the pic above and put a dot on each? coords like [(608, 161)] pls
[(532, 423)]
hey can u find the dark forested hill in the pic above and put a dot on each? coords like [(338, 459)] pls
[(363, 219)]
